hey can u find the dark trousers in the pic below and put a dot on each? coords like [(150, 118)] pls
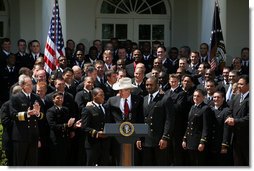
[(241, 154), (153, 156), (197, 158), (180, 156), (98, 154), (25, 153)]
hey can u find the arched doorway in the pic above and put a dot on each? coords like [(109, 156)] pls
[(4, 19), (137, 20)]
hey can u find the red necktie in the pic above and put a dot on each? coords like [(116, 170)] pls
[(126, 109)]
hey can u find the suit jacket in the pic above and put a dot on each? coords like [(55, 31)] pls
[(68, 102), (141, 89), (159, 115), (109, 92), (116, 115), (130, 70), (81, 99), (57, 120), (93, 120), (7, 80), (197, 130), (179, 99), (240, 112), (148, 62), (170, 66), (21, 60), (219, 133), (24, 128)]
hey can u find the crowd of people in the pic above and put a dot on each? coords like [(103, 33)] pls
[(197, 113)]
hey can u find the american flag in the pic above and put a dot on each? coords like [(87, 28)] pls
[(217, 46), (55, 45)]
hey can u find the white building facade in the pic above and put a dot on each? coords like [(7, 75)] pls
[(173, 22)]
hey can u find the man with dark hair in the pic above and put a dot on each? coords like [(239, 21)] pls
[(159, 115), (238, 120), (5, 50), (93, 119)]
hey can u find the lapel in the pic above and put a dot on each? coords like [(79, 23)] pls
[(150, 106), (237, 104), (133, 104)]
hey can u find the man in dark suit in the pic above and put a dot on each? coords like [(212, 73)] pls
[(111, 80), (130, 68), (147, 56), (82, 97), (238, 120), (140, 81), (5, 50), (62, 124), (34, 54), (7, 123), (21, 55), (8, 77), (197, 131), (219, 148), (179, 98), (93, 119), (25, 112), (125, 107), (68, 98), (173, 60), (159, 115)]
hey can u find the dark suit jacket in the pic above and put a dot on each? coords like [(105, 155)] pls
[(116, 114), (81, 99), (219, 133), (159, 115), (130, 70), (24, 128), (93, 120), (7, 80), (197, 131), (109, 92), (148, 62), (240, 112), (57, 120), (179, 99), (68, 102)]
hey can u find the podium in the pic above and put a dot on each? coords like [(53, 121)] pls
[(126, 134)]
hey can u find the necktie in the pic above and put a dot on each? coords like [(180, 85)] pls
[(241, 99), (109, 67), (229, 93), (101, 109), (126, 109), (151, 99), (11, 69)]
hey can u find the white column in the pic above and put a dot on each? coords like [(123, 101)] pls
[(207, 18), (47, 7)]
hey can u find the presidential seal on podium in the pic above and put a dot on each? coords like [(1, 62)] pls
[(126, 129)]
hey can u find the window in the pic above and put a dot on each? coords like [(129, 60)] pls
[(133, 6)]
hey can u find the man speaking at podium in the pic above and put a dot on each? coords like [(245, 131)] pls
[(124, 107)]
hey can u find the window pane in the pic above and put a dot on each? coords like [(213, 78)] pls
[(121, 31), (1, 29), (107, 31), (159, 9), (107, 8), (158, 32), (144, 32)]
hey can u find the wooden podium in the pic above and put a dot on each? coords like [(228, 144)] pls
[(126, 134)]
